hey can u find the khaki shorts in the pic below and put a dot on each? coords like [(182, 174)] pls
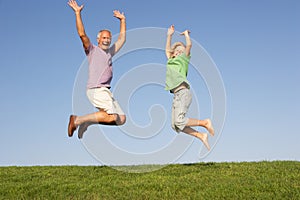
[(102, 98), (181, 103)]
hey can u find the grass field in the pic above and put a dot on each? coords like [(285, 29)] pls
[(245, 180)]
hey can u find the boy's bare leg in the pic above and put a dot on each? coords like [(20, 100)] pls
[(202, 136), (206, 123)]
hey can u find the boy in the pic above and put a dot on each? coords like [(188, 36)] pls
[(176, 82)]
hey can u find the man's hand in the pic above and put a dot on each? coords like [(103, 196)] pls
[(79, 25), (119, 15), (73, 4), (122, 35), (171, 30)]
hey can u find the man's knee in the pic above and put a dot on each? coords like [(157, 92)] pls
[(121, 119)]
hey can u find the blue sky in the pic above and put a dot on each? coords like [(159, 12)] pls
[(254, 44)]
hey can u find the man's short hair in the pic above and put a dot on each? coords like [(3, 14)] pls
[(99, 33)]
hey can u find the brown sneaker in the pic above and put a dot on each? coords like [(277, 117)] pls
[(71, 126)]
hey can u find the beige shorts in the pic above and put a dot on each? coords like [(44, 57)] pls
[(102, 98), (181, 103)]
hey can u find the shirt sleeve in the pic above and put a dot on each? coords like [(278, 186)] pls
[(186, 57), (89, 49)]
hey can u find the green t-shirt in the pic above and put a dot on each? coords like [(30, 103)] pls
[(177, 69)]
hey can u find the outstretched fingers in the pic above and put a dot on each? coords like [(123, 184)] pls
[(118, 14), (73, 4)]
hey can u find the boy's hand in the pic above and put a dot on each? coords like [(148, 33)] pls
[(171, 30), (186, 32)]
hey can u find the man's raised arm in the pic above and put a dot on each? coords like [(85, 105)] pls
[(79, 24), (122, 36)]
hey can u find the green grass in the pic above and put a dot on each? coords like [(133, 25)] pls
[(245, 180)]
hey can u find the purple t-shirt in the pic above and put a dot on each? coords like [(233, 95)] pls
[(100, 66)]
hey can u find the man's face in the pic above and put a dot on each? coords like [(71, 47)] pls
[(104, 40)]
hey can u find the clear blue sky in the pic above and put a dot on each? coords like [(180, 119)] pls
[(254, 44)]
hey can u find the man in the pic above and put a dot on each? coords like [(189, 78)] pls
[(100, 75)]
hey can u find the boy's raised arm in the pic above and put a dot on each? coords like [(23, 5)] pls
[(188, 41), (171, 30)]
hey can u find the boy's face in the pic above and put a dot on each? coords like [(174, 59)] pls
[(104, 40), (179, 50)]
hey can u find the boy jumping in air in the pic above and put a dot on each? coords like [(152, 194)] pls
[(176, 82)]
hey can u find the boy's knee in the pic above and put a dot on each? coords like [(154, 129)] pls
[(178, 125), (174, 127)]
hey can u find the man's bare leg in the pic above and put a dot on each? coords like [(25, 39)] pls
[(120, 120), (100, 117), (206, 123), (202, 136), (82, 128)]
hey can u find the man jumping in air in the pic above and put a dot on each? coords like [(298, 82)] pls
[(100, 75)]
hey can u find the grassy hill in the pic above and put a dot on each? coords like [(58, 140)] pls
[(245, 180)]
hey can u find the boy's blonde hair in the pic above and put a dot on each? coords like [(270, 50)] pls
[(175, 45)]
